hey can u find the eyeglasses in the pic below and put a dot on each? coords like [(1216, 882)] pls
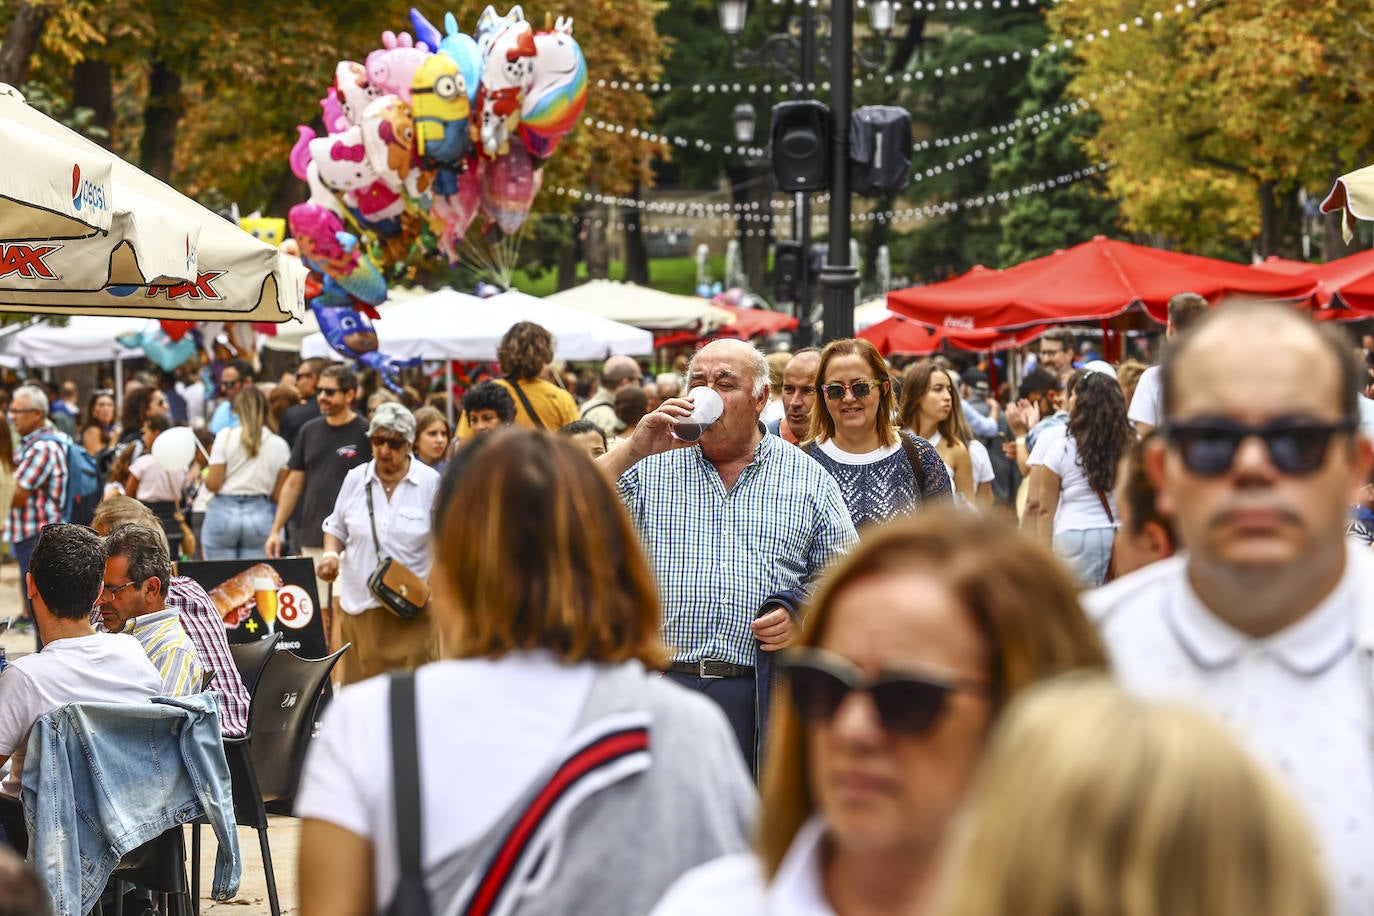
[(836, 390), (906, 704), (320, 389), (1297, 445), (395, 445), (116, 589), (16, 410), (229, 383)]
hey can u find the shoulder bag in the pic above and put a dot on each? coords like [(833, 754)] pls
[(394, 586), (1111, 559), (524, 400)]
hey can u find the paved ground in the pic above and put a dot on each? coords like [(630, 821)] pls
[(251, 899)]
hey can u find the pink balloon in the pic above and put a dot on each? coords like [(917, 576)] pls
[(458, 210), (509, 184)]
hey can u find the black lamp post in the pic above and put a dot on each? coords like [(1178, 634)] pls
[(839, 278)]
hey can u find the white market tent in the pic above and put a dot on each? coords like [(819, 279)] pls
[(290, 335), (448, 325), (85, 339), (643, 307)]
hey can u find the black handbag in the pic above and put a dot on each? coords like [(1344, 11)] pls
[(394, 586)]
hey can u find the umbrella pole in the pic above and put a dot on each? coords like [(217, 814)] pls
[(448, 390)]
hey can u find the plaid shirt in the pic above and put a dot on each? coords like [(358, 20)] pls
[(719, 555), (41, 468), (206, 629)]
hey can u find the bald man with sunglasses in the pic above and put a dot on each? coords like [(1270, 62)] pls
[(1268, 619)]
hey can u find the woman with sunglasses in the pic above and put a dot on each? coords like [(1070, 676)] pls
[(383, 511), (1072, 492), (931, 410), (882, 472), (914, 644), (246, 470)]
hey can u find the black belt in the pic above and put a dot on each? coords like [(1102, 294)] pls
[(711, 668)]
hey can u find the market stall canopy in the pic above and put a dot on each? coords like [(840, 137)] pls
[(642, 307), (1353, 195), (1089, 282), (45, 194), (448, 324), (750, 323), (1332, 279), (898, 336), (290, 335), (232, 277), (85, 339)]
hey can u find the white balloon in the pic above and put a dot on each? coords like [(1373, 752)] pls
[(174, 448)]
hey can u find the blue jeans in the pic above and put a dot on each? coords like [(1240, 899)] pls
[(1087, 552), (236, 527)]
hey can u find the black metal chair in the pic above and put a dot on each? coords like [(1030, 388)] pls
[(159, 865), (250, 657), (265, 764)]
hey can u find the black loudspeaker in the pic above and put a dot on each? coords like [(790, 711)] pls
[(801, 146), (879, 149), (789, 271)]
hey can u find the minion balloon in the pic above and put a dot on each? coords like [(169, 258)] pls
[(439, 103)]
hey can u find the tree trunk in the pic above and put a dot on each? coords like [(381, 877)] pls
[(1280, 222), (750, 190), (21, 40), (636, 253), (879, 233), (92, 87), (567, 267), (595, 248), (161, 118)]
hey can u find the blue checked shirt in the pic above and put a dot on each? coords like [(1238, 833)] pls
[(719, 555)]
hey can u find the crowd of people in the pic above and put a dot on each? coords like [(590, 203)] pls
[(878, 640)]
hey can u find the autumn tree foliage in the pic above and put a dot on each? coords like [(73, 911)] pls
[(1215, 114)]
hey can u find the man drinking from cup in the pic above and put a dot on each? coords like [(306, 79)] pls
[(729, 522)]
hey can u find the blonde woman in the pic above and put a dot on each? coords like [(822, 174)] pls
[(247, 466), (930, 409), (1090, 802)]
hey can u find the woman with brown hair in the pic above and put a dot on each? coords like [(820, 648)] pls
[(913, 646), (881, 471), (548, 700), (432, 437), (930, 409)]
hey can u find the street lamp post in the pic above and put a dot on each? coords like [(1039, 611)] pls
[(839, 277)]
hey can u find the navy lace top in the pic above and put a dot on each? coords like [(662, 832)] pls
[(888, 485)]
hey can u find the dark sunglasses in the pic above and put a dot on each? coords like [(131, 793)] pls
[(388, 442), (906, 704), (1296, 445), (320, 389), (860, 389)]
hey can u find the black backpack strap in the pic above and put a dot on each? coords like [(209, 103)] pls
[(411, 897), (520, 393)]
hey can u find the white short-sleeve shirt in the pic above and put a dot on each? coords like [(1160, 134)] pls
[(246, 475), (1298, 699), (982, 464), (1080, 508), (1145, 403)]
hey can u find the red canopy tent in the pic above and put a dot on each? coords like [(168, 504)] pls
[(1093, 281), (1329, 300), (902, 337), (750, 323)]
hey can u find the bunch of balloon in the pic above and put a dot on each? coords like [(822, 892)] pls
[(425, 135)]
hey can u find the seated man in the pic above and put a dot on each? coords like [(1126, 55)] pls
[(77, 664), (198, 616), (134, 601)]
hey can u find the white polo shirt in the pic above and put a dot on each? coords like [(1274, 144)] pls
[(1301, 699)]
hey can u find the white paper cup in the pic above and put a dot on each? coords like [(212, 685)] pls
[(706, 410)]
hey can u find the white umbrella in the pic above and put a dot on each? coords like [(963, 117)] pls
[(142, 242), (642, 306), (451, 325), (237, 277), (1353, 194), (85, 339)]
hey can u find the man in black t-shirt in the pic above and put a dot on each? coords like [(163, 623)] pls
[(325, 450)]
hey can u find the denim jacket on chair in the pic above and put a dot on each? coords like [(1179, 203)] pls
[(102, 779)]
